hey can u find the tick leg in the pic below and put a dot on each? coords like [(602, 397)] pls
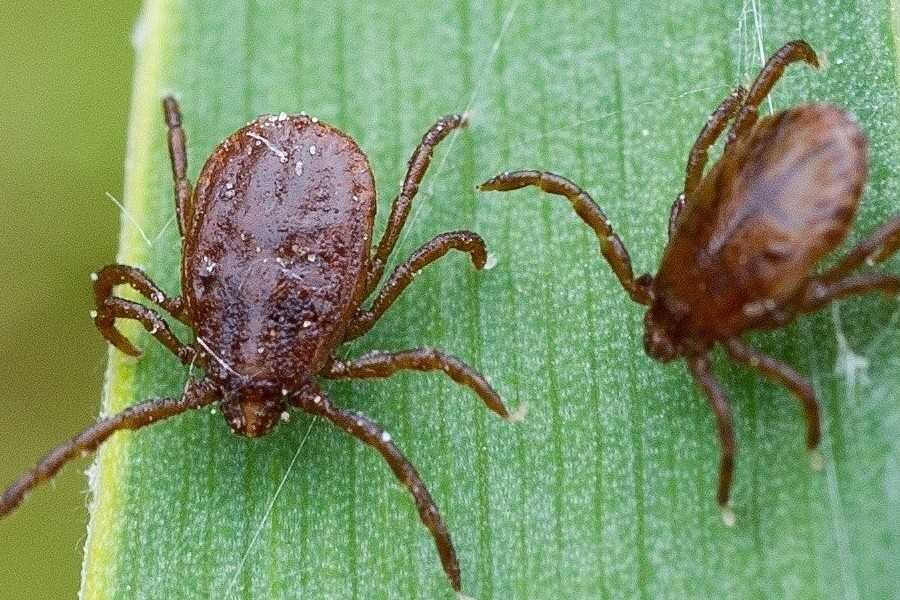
[(384, 364), (196, 395), (791, 52), (417, 166), (819, 293), (715, 124), (359, 426), (700, 369), (879, 247), (110, 307), (611, 245), (178, 156), (786, 376), (117, 308), (464, 241), (677, 206), (112, 275)]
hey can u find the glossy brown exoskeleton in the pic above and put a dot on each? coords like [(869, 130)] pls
[(276, 264), (744, 239)]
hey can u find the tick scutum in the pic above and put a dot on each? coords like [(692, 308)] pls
[(277, 256)]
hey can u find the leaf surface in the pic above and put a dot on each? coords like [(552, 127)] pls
[(607, 489)]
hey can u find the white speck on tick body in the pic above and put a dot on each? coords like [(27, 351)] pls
[(261, 140), (209, 265)]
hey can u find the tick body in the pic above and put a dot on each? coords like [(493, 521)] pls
[(744, 239), (276, 264)]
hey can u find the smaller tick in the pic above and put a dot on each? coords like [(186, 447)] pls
[(267, 323), (744, 239)]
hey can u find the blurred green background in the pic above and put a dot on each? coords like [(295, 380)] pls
[(66, 73)]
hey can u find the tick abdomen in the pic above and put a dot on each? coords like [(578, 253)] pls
[(278, 245), (762, 218)]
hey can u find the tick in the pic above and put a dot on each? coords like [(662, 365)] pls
[(276, 264), (744, 239)]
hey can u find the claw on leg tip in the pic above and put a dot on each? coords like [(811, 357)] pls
[(816, 460), (728, 516), (518, 415)]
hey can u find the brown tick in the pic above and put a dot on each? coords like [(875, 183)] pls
[(744, 239), (276, 264)]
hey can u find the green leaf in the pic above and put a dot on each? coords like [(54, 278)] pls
[(607, 488)]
